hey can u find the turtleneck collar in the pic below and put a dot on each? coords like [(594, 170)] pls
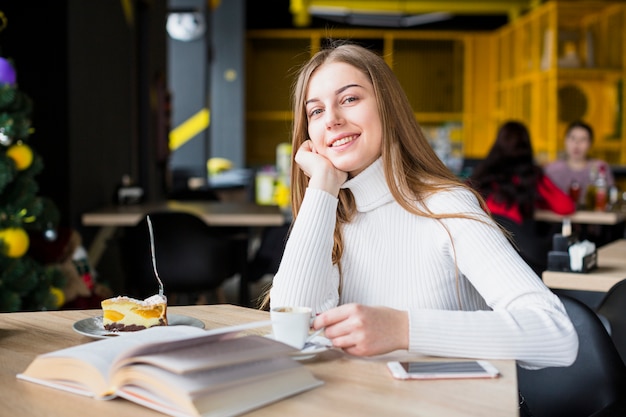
[(369, 188)]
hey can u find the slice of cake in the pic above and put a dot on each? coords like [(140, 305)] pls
[(125, 314)]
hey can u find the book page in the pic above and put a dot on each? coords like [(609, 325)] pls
[(207, 354), (202, 337), (220, 392), (88, 365), (178, 391)]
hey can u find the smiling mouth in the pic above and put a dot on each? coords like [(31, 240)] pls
[(343, 141)]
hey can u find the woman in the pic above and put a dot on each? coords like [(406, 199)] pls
[(513, 186), (577, 169), (387, 246)]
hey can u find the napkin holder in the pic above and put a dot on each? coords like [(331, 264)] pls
[(559, 258)]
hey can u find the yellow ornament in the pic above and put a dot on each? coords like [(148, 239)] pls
[(59, 296), (15, 241), (22, 154)]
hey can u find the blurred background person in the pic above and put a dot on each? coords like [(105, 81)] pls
[(513, 186), (577, 170)]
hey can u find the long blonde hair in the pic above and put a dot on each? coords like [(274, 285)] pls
[(412, 169)]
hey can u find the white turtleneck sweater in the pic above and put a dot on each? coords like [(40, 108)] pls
[(396, 259)]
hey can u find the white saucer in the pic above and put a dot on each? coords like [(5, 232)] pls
[(93, 327), (312, 348)]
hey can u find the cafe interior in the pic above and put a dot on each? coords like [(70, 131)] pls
[(164, 131)]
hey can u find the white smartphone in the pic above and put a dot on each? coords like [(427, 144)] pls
[(442, 369)]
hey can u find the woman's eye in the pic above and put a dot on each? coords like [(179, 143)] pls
[(350, 99), (314, 112)]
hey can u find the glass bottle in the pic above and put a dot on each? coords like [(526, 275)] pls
[(574, 192), (590, 192), (602, 190)]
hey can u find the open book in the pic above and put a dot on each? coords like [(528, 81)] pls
[(178, 370)]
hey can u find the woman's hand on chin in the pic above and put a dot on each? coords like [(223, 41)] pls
[(321, 172)]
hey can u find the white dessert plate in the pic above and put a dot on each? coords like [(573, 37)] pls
[(93, 327), (312, 348)]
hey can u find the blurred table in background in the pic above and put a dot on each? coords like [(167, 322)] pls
[(607, 218), (611, 269), (213, 213), (600, 227)]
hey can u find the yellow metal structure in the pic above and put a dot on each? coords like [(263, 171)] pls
[(558, 61), (564, 61), (301, 9), (448, 78)]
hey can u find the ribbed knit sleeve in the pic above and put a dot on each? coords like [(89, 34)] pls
[(306, 275), (525, 320), (492, 306)]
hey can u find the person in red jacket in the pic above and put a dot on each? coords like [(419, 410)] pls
[(513, 186)]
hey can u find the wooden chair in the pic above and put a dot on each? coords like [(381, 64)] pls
[(594, 384), (613, 309), (193, 259)]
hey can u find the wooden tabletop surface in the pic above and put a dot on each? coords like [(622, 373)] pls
[(214, 213), (353, 386), (607, 218), (611, 269)]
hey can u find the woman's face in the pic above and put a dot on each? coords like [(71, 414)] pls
[(577, 144), (342, 114)]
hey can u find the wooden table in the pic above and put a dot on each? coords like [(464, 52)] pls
[(600, 227), (353, 386), (214, 213), (606, 218), (611, 269)]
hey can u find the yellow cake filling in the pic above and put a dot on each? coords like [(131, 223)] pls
[(128, 314)]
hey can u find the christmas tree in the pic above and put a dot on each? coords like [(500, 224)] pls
[(25, 284)]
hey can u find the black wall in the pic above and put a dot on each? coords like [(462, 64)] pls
[(92, 74), (35, 39)]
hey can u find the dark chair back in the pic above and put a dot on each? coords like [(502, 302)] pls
[(267, 258), (531, 242), (191, 256), (613, 308), (596, 379)]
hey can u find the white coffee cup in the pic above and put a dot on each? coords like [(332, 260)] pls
[(290, 325)]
